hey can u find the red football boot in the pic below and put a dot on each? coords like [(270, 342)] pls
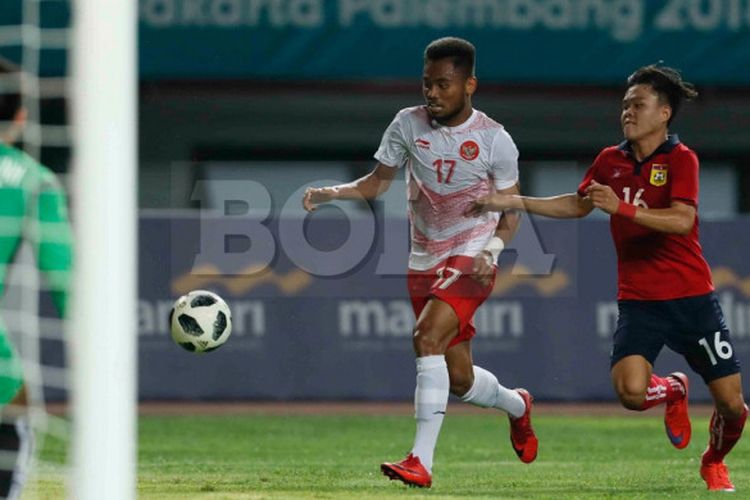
[(409, 471), (676, 419), (522, 436), (716, 477)]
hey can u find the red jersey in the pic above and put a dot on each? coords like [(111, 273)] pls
[(652, 265)]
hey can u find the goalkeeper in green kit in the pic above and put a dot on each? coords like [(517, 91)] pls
[(32, 210)]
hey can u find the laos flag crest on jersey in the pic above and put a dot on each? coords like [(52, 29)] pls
[(469, 150), (658, 174)]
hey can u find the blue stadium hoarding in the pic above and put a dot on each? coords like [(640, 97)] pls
[(521, 41), (300, 335)]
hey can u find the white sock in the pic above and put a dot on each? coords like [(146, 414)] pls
[(488, 393), (430, 402)]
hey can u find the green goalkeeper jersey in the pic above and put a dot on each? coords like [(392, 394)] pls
[(33, 208)]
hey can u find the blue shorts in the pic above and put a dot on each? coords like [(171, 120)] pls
[(691, 326)]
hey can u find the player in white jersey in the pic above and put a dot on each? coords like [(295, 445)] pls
[(452, 154), (445, 166)]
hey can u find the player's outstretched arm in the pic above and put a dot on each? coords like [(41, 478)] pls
[(564, 206), (677, 219), (368, 187)]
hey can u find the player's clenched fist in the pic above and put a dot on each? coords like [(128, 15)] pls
[(483, 268), (315, 196), (603, 197), (491, 203)]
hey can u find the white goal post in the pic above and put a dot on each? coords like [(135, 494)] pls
[(103, 322)]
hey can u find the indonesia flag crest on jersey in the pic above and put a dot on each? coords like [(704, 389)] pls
[(469, 150)]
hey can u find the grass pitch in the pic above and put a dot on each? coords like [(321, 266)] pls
[(338, 457)]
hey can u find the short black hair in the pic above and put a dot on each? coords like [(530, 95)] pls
[(461, 52), (10, 90), (667, 83)]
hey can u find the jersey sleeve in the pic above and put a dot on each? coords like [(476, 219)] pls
[(685, 179), (591, 175), (54, 241), (504, 161), (394, 148)]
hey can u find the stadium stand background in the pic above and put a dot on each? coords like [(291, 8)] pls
[(319, 80)]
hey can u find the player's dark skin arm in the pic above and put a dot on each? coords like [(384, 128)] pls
[(511, 219), (368, 187), (677, 219), (506, 229)]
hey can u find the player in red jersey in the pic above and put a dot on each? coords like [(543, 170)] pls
[(649, 186), (452, 153)]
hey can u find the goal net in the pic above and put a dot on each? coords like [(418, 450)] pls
[(34, 36), (78, 81)]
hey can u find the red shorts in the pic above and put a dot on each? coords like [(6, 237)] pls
[(452, 282)]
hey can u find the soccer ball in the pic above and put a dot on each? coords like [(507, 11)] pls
[(200, 321)]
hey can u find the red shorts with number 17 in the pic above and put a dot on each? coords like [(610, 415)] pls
[(451, 281)]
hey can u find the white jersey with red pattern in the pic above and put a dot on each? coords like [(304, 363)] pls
[(446, 169)]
